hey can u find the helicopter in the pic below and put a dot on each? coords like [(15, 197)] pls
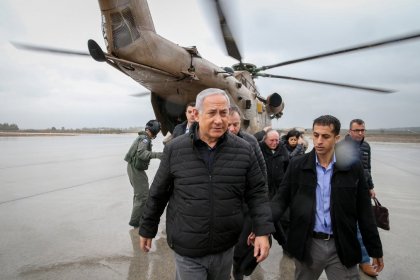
[(174, 74)]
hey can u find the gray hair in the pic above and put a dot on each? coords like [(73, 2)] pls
[(358, 121), (270, 131), (233, 110), (207, 92)]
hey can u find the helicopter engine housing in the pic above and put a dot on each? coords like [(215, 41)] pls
[(275, 105)]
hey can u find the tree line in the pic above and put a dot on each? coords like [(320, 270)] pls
[(9, 127), (5, 127)]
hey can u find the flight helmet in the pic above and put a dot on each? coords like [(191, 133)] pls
[(153, 126)]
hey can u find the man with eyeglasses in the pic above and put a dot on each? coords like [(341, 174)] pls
[(356, 137), (357, 134)]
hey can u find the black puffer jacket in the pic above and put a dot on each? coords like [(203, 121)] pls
[(362, 149), (257, 150), (204, 214)]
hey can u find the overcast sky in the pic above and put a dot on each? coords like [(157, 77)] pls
[(40, 90)]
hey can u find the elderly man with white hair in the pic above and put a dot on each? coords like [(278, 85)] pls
[(204, 178)]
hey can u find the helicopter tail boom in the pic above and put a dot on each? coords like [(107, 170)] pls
[(124, 20)]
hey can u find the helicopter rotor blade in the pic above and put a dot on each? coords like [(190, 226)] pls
[(376, 90), (47, 49), (141, 94), (347, 50), (230, 42)]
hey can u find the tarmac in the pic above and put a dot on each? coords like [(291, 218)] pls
[(65, 202)]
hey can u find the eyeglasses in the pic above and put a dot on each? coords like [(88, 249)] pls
[(358, 130)]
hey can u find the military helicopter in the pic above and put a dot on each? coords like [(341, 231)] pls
[(174, 74)]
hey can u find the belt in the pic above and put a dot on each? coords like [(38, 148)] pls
[(321, 235)]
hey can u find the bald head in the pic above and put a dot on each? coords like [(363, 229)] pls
[(272, 139)]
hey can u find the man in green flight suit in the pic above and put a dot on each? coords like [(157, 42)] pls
[(138, 158)]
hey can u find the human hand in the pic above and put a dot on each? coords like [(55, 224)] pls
[(378, 264), (261, 248), (372, 193), (251, 239), (145, 244)]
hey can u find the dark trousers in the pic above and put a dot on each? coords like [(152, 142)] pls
[(210, 267), (241, 248)]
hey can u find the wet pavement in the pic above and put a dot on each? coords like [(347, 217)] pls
[(65, 203)]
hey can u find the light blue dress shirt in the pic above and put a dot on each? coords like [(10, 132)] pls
[(323, 195)]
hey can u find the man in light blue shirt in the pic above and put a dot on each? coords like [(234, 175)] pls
[(323, 193), (328, 196)]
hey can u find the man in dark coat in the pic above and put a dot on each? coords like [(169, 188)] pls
[(234, 127), (241, 265), (276, 159), (204, 178), (361, 149), (184, 127), (356, 136), (328, 196)]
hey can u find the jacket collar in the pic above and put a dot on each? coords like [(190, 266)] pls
[(265, 149), (197, 141), (341, 164), (310, 160), (143, 133), (348, 138)]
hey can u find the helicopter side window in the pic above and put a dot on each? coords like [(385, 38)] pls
[(124, 31), (244, 82)]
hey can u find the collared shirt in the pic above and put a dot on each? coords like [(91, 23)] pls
[(323, 196), (206, 152), (188, 126)]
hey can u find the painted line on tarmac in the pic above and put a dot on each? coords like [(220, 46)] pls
[(62, 189), (55, 161)]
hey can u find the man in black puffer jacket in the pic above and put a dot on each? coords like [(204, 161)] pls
[(361, 150), (357, 137), (205, 177)]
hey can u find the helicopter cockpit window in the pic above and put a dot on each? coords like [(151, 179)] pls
[(124, 31)]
